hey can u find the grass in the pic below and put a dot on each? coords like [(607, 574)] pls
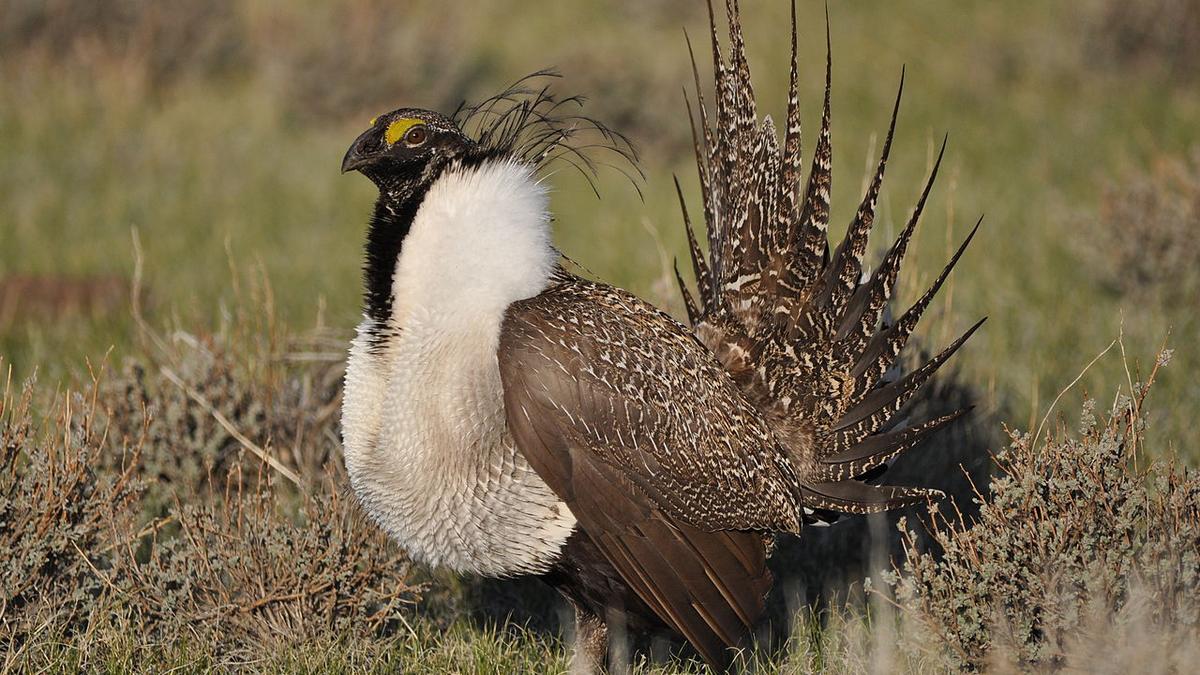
[(212, 137)]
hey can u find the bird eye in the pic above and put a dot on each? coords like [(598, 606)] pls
[(416, 136)]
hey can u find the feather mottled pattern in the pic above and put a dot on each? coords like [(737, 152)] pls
[(625, 381), (670, 471), (798, 329)]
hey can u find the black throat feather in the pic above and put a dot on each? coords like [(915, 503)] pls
[(393, 217)]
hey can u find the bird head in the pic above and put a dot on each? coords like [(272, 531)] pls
[(406, 147)]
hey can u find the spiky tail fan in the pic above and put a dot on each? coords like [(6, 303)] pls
[(798, 328)]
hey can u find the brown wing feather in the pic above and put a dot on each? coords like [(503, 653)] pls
[(710, 587), (611, 465), (637, 390)]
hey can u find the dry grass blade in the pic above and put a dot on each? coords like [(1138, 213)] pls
[(1067, 388), (233, 431)]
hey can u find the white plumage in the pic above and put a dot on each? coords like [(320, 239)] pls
[(426, 444)]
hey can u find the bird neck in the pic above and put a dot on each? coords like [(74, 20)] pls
[(462, 245), (394, 213)]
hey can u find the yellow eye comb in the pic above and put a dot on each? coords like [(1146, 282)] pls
[(397, 129)]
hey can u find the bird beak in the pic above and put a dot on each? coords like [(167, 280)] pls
[(360, 155)]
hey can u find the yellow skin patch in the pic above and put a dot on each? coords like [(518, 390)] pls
[(398, 128)]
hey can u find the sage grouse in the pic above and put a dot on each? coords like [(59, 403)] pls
[(503, 416)]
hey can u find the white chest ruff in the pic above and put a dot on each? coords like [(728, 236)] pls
[(426, 443)]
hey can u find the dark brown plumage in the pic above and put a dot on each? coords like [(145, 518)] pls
[(632, 423)]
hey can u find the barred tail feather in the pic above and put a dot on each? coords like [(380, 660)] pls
[(863, 316), (793, 148), (850, 496), (689, 304), (699, 266), (798, 329), (812, 242), (879, 405), (849, 255), (885, 346), (880, 448)]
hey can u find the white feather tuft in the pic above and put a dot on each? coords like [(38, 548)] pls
[(427, 446)]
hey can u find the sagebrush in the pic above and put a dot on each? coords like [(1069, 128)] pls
[(1143, 243), (128, 506), (1080, 538)]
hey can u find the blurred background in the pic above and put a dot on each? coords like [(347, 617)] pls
[(204, 140), (179, 278)]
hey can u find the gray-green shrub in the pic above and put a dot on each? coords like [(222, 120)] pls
[(1078, 536)]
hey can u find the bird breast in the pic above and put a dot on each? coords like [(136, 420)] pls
[(426, 442)]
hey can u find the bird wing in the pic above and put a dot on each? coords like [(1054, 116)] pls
[(610, 376), (636, 428)]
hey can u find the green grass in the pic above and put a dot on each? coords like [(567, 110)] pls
[(842, 641), (428, 648)]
